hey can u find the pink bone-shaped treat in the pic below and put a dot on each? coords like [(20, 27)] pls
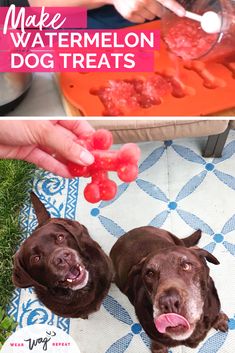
[(123, 161)]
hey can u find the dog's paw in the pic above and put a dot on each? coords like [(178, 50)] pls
[(221, 322)]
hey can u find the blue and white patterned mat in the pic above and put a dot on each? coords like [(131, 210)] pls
[(177, 190)]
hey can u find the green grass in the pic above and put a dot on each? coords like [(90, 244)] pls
[(15, 178), (7, 325)]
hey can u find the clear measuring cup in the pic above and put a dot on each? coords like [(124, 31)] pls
[(185, 37)]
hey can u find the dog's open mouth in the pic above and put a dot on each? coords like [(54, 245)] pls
[(76, 278), (172, 323)]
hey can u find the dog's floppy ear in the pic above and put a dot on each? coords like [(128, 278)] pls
[(135, 270), (42, 214), (77, 230), (206, 254), (20, 277)]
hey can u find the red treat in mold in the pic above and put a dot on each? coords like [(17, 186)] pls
[(123, 96), (187, 39), (118, 97), (154, 88), (178, 88), (123, 161)]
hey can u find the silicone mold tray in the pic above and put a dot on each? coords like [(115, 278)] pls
[(197, 88)]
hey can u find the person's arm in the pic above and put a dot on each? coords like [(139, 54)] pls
[(89, 4), (136, 11)]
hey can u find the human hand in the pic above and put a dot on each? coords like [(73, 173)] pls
[(48, 144), (139, 11)]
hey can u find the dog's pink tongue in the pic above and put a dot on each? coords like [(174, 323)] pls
[(170, 320), (73, 273)]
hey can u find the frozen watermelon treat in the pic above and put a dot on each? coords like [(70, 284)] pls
[(123, 161)]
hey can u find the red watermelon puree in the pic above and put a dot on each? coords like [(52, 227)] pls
[(117, 97), (120, 97), (186, 39), (171, 320)]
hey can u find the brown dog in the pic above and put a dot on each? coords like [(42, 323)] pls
[(169, 285), (69, 271)]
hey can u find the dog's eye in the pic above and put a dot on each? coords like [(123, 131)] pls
[(186, 266), (60, 237), (36, 259), (149, 273)]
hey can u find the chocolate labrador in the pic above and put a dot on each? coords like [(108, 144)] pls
[(70, 272), (167, 280)]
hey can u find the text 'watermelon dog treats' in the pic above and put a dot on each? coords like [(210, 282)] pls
[(123, 161)]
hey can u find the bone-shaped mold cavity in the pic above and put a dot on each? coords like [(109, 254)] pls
[(120, 97), (209, 80), (231, 67), (178, 88)]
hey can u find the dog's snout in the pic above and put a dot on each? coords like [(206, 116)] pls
[(62, 258), (170, 301)]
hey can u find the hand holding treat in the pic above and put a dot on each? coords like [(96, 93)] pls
[(123, 161), (48, 144)]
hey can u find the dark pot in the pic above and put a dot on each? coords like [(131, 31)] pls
[(13, 88)]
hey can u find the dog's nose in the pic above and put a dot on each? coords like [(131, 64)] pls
[(170, 301), (62, 258)]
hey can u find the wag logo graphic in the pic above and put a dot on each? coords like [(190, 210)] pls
[(40, 338)]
